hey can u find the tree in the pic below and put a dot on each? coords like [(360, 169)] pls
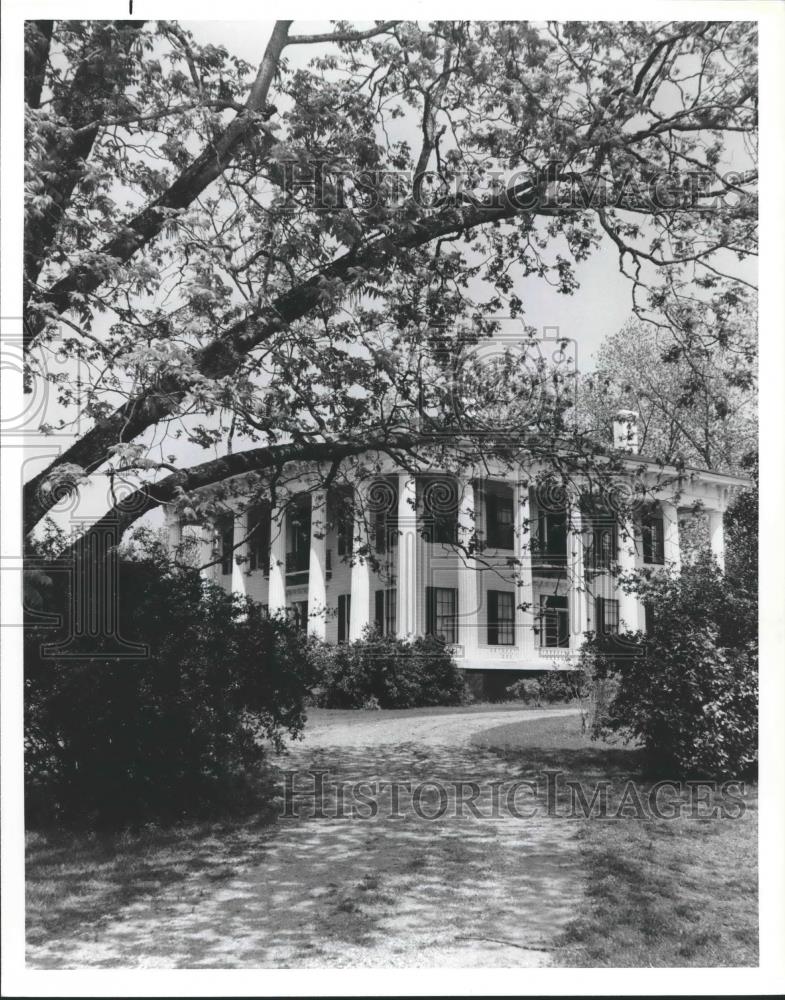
[(695, 407), (259, 259)]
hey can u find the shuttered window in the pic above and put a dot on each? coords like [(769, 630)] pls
[(344, 612), (653, 540), (501, 618), (441, 613), (499, 521), (385, 611)]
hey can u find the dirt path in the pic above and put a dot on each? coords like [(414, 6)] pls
[(401, 890)]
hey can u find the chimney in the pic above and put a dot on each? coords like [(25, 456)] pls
[(625, 431)]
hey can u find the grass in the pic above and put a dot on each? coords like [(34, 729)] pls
[(659, 892)]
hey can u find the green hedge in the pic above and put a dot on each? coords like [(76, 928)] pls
[(384, 672), (176, 734)]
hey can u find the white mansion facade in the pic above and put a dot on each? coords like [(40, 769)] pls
[(544, 571)]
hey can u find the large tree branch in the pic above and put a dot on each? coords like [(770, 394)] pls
[(226, 352), (189, 185), (150, 496), (342, 36)]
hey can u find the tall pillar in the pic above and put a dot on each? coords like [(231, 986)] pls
[(717, 537), (406, 584), (207, 553), (629, 606), (360, 614), (317, 567), (670, 535), (576, 578), (524, 620), (468, 577), (174, 531), (276, 586), (240, 552)]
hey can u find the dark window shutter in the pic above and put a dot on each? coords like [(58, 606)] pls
[(430, 610), (379, 611), (493, 616), (227, 542), (599, 615)]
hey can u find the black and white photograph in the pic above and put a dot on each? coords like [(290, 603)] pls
[(391, 429)]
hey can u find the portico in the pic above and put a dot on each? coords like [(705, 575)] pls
[(508, 573)]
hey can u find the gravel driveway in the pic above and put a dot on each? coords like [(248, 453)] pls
[(406, 891)]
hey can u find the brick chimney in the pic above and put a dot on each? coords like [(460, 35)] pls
[(625, 431)]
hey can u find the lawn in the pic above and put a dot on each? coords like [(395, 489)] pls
[(659, 892), (250, 894)]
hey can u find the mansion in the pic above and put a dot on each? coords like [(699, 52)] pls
[(510, 576)]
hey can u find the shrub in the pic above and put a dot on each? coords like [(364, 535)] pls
[(549, 688), (687, 689), (385, 672), (113, 741)]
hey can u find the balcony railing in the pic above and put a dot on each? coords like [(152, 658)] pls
[(297, 562)]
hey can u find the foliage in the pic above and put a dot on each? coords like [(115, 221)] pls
[(695, 406), (178, 733), (687, 689), (549, 687), (385, 672), (197, 232)]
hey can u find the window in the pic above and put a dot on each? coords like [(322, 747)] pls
[(499, 521), (440, 511), (551, 539), (298, 541), (345, 529), (555, 622), (226, 529), (501, 618), (604, 546), (344, 613), (300, 615), (653, 540), (441, 613), (606, 616), (259, 537), (385, 531), (385, 616)]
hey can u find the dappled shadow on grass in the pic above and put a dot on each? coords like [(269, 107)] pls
[(659, 892), (458, 890)]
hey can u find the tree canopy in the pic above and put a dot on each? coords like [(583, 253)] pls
[(294, 260)]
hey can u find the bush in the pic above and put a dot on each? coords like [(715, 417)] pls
[(113, 741), (549, 688), (385, 672), (687, 689)]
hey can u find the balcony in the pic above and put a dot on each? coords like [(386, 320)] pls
[(297, 563)]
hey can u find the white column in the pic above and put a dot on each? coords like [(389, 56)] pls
[(240, 551), (276, 587), (670, 535), (360, 611), (174, 531), (717, 537), (317, 567), (468, 577), (629, 606), (524, 620), (207, 552), (406, 583), (576, 579)]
